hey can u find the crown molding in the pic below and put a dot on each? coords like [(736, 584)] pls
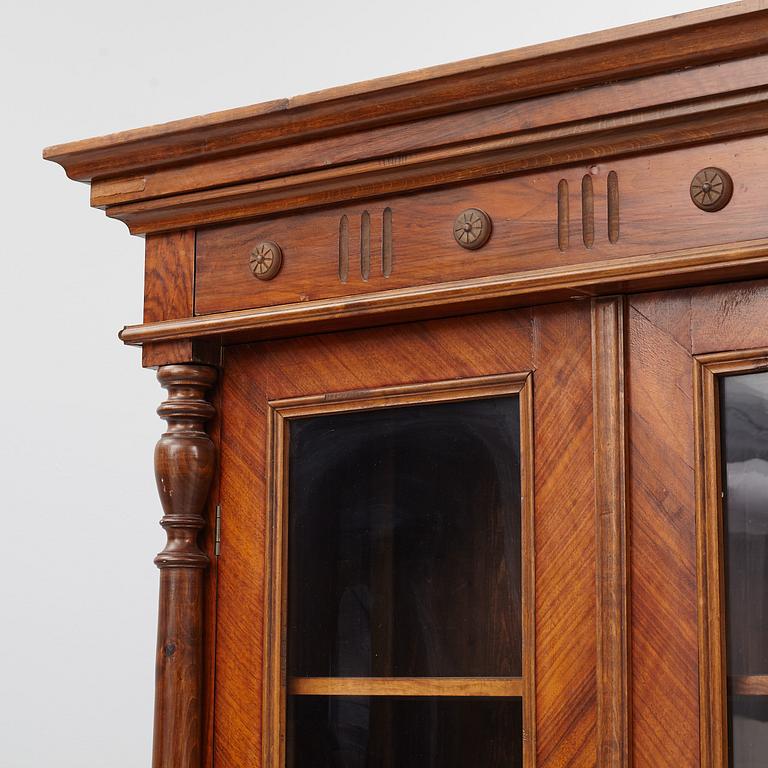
[(687, 79)]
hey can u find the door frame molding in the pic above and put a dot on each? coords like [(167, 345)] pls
[(279, 413), (713, 686)]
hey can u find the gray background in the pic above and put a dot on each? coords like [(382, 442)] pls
[(79, 511)]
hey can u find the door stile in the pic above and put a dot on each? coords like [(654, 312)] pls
[(611, 527)]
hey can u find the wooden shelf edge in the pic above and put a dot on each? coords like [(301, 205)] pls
[(406, 686), (656, 271), (748, 685)]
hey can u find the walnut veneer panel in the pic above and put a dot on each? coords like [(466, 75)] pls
[(665, 331), (169, 287), (554, 342), (564, 500), (663, 534), (655, 214)]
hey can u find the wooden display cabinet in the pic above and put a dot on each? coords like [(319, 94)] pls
[(466, 458)]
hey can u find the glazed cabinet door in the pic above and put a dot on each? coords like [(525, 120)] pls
[(407, 574), (698, 427)]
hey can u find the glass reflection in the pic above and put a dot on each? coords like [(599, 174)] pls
[(744, 430), (405, 541), (372, 732)]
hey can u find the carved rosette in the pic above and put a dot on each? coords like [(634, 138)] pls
[(711, 189), (266, 260), (472, 228), (185, 460)]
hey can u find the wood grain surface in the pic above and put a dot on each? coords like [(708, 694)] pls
[(612, 529), (715, 684), (656, 215), (169, 291), (663, 533), (411, 686), (482, 345), (710, 35), (493, 616), (506, 125), (668, 589), (564, 498), (581, 152), (699, 265), (185, 461)]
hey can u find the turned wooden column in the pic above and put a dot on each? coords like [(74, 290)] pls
[(184, 466)]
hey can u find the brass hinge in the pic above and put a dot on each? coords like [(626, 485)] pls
[(217, 538)]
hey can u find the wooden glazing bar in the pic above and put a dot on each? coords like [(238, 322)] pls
[(405, 686), (748, 685)]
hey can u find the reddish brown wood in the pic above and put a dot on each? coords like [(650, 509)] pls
[(749, 685), (169, 275), (714, 686), (732, 117), (672, 566), (208, 543), (276, 686), (169, 290), (564, 496), (713, 729), (582, 153), (410, 686), (184, 466), (725, 319), (514, 124), (715, 34), (479, 345), (180, 351), (656, 216), (663, 562), (613, 662), (736, 260)]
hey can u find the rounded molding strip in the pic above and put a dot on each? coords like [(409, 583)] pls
[(472, 228), (711, 189), (266, 260)]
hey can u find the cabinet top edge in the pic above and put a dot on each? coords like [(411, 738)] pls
[(634, 50)]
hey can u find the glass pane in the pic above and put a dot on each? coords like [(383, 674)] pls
[(749, 731), (360, 732), (744, 429), (404, 542)]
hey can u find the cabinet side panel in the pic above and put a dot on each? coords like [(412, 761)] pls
[(169, 286), (240, 604)]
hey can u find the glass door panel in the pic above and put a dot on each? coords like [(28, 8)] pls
[(744, 435), (404, 580), (397, 732), (404, 542)]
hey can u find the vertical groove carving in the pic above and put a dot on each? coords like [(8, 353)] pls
[(386, 244), (613, 207), (563, 215), (344, 249), (184, 466), (365, 245), (611, 526), (587, 211)]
